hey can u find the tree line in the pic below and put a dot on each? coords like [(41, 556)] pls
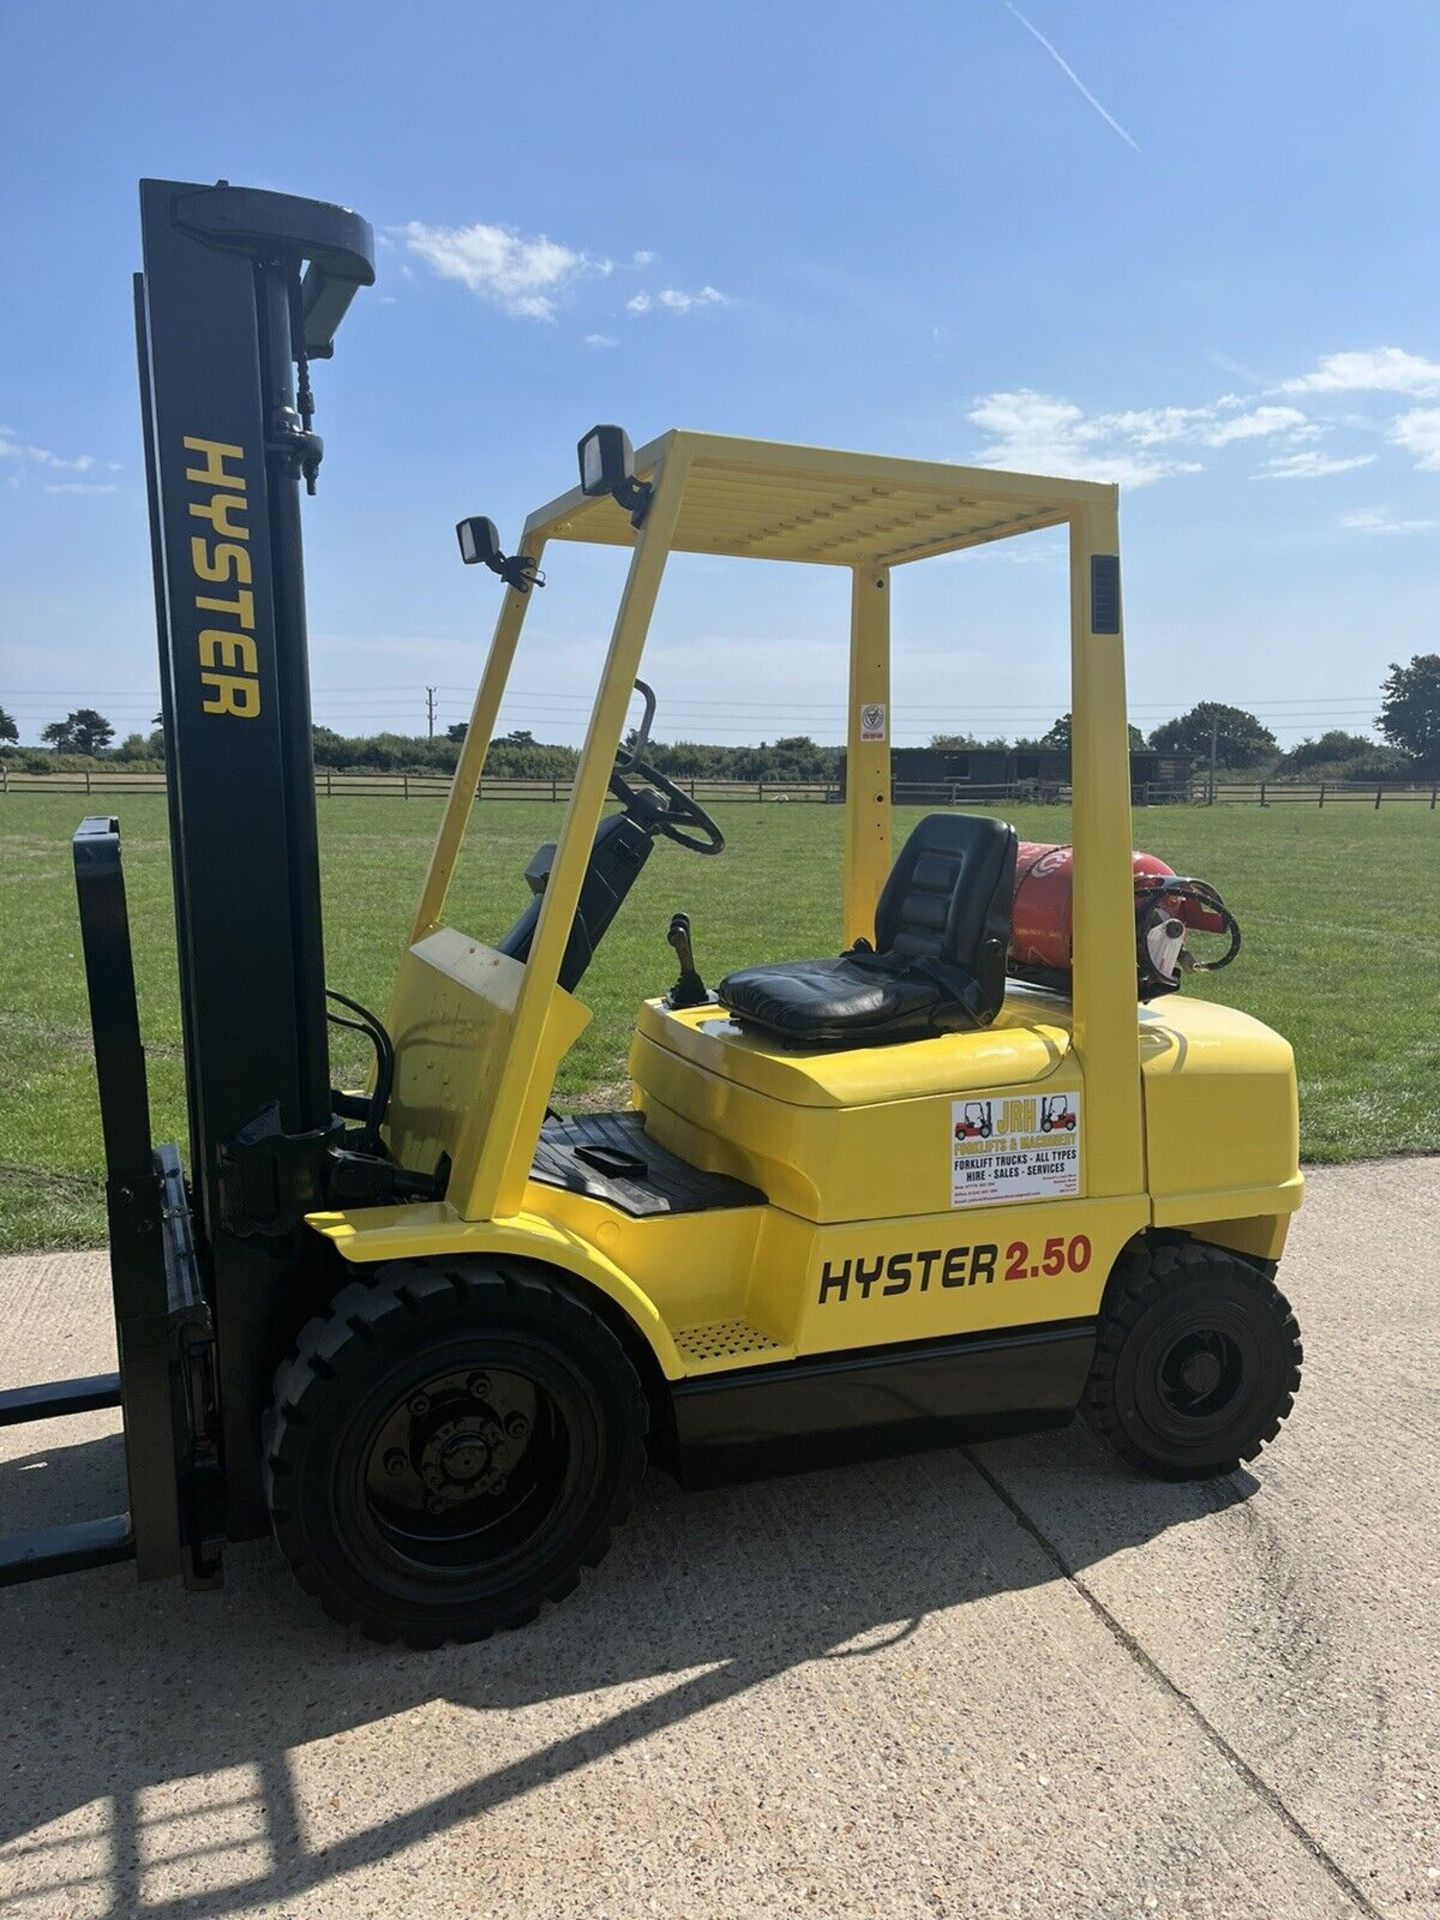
[(1409, 720)]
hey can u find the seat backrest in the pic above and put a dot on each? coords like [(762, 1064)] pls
[(949, 895)]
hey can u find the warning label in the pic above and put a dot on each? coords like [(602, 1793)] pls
[(872, 722), (1022, 1149)]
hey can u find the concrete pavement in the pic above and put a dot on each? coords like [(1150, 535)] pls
[(1007, 1680)]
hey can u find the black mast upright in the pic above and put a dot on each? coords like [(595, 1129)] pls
[(239, 290)]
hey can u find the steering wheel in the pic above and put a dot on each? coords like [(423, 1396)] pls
[(681, 810)]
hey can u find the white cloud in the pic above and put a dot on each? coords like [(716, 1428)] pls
[(643, 257), (13, 448), (522, 276), (1036, 433), (599, 340), (1256, 425), (81, 486), (1310, 466), (1376, 370), (43, 457), (676, 301), (1419, 433), (1045, 435), (1381, 520)]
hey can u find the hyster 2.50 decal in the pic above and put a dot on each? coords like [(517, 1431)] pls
[(1021, 1148), (891, 1273)]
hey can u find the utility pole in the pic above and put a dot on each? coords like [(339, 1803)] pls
[(1214, 742), (430, 693)]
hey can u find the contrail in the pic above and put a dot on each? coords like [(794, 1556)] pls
[(1073, 77)]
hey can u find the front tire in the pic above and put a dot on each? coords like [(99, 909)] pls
[(1197, 1361), (449, 1447)]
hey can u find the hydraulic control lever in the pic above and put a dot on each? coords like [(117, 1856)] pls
[(689, 990)]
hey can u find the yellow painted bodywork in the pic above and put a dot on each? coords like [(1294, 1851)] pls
[(1188, 1110)]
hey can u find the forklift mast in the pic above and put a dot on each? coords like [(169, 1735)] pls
[(240, 291)]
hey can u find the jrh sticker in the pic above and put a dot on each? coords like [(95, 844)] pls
[(872, 722), (1026, 1148)]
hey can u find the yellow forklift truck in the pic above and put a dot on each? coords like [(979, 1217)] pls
[(855, 1203)]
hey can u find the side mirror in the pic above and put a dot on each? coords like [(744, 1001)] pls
[(607, 465)]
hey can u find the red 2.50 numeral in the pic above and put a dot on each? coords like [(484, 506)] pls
[(1059, 1254)]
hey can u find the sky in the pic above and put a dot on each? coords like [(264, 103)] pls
[(1192, 250)]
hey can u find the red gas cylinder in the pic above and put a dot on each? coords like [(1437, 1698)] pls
[(1040, 930)]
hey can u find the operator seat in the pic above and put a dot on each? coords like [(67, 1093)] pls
[(942, 933)]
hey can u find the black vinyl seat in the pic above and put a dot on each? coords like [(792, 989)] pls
[(942, 932)]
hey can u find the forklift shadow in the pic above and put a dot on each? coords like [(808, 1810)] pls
[(120, 1697)]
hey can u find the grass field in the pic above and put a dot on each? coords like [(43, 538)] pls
[(1340, 908)]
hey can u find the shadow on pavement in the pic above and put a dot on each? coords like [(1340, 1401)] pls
[(110, 1690)]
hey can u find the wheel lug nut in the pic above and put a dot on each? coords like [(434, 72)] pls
[(479, 1385), (420, 1404), (517, 1424), (394, 1461)]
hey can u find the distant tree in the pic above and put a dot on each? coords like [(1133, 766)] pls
[(953, 742), (1410, 708), (1240, 739), (84, 731), (1058, 738), (457, 732), (1329, 750), (8, 728), (134, 746), (328, 747)]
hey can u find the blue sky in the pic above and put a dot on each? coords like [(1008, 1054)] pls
[(1190, 249)]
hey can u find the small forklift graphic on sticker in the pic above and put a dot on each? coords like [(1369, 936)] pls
[(975, 1122), (1055, 1114)]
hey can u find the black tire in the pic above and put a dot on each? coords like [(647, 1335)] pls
[(449, 1448), (1197, 1361)]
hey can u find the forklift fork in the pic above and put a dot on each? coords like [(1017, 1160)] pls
[(166, 1385)]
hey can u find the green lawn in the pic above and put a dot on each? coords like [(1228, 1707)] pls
[(1340, 908)]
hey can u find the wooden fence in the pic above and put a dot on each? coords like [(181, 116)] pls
[(112, 782), (1323, 793)]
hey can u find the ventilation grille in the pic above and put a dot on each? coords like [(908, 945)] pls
[(716, 1342)]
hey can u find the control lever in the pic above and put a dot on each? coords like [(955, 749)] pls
[(689, 990)]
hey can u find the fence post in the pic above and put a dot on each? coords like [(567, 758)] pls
[(1262, 793), (405, 786), (759, 789), (87, 779), (1322, 793), (1433, 792), (554, 789)]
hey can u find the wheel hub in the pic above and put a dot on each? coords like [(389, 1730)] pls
[(1201, 1373), (466, 1456), (459, 1451)]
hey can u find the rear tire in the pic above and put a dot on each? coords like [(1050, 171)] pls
[(449, 1448), (1197, 1361)]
